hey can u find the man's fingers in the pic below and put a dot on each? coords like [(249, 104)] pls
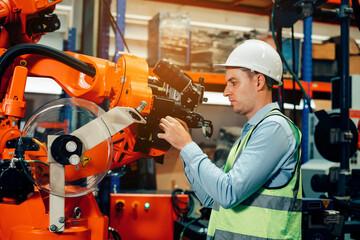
[(183, 124), (162, 126), (166, 121), (170, 119), (161, 135)]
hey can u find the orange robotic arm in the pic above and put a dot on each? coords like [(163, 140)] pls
[(126, 83), (26, 21)]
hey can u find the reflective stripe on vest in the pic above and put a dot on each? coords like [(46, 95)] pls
[(278, 207), (224, 235), (270, 202)]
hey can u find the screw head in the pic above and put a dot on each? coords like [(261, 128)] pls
[(61, 219), (23, 62), (53, 228)]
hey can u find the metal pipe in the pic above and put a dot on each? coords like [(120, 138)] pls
[(344, 95), (307, 77), (120, 20)]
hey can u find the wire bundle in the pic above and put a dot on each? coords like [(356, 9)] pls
[(180, 211)]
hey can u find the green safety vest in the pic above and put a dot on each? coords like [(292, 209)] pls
[(270, 213)]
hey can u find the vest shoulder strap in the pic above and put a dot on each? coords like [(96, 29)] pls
[(242, 144)]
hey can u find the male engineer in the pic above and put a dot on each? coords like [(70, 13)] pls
[(257, 194)]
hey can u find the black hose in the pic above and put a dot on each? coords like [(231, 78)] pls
[(272, 27), (115, 234), (182, 212), (295, 71), (29, 48)]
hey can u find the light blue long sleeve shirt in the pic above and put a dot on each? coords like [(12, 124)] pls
[(268, 159)]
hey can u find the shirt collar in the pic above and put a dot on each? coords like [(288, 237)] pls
[(262, 112)]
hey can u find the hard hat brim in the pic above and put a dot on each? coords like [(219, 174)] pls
[(225, 65), (279, 83)]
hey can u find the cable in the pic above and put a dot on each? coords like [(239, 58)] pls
[(308, 100), (181, 212), (29, 48), (200, 116), (187, 225), (115, 234), (293, 62), (36, 161), (114, 24), (280, 88)]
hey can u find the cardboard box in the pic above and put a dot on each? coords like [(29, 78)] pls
[(211, 46), (354, 65), (353, 47), (325, 66), (322, 104), (169, 37), (324, 70), (324, 51), (170, 175)]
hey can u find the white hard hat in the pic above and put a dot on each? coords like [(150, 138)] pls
[(258, 56)]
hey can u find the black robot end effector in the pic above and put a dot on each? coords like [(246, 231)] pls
[(172, 75), (191, 93), (42, 24)]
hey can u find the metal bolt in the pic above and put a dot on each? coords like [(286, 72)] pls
[(23, 62), (61, 219), (141, 107), (53, 228), (77, 212)]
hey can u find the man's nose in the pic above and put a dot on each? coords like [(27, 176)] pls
[(226, 91)]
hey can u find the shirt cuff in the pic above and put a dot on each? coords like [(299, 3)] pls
[(189, 151)]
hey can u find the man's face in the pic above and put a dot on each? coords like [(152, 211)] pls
[(241, 90)]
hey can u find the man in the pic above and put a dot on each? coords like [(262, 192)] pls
[(257, 194)]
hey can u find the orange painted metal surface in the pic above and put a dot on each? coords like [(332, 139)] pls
[(125, 84), (14, 103), (337, 2), (30, 220), (8, 130), (138, 216), (219, 78), (355, 114), (15, 15), (135, 83)]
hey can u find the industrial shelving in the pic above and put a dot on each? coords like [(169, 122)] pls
[(219, 79)]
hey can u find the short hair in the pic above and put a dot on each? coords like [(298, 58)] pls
[(268, 80)]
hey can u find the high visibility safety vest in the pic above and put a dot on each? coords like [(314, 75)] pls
[(270, 213)]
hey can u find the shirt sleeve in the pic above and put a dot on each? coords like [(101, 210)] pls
[(268, 148), (195, 150)]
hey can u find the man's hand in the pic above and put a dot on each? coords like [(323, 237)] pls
[(176, 132)]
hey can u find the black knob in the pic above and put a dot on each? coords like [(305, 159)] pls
[(67, 149)]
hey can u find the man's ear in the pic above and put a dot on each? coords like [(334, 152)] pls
[(261, 81)]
